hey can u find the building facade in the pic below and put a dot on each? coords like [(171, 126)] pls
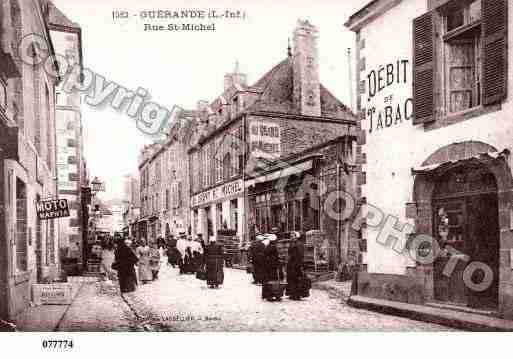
[(132, 205), (435, 106), (66, 36), (257, 144), (29, 252), (150, 185), (164, 182)]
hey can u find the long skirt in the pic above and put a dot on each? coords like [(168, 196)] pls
[(172, 256), (145, 274), (293, 284), (188, 265), (258, 271), (215, 273), (127, 280), (271, 274)]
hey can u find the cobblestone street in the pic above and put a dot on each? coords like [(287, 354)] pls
[(183, 303)]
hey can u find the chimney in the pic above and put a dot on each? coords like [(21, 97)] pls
[(307, 94), (235, 78)]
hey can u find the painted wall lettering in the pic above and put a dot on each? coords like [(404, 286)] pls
[(395, 108)]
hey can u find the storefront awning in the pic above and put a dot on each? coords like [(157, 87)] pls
[(281, 172), (437, 168)]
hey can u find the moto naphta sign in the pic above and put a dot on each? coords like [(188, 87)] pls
[(54, 208)]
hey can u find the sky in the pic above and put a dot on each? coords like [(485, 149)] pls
[(181, 68)]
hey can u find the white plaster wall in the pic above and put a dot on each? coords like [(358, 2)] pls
[(393, 151)]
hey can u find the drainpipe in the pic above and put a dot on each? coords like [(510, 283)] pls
[(339, 242), (5, 245)]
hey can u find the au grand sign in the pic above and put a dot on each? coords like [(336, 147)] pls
[(218, 193), (53, 208)]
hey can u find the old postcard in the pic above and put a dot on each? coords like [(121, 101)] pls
[(255, 166)]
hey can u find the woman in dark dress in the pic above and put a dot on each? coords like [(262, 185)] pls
[(258, 259), (272, 268), (124, 261), (172, 252), (215, 261), (295, 273)]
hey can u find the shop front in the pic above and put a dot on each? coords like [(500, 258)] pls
[(298, 196), (287, 208), (219, 208)]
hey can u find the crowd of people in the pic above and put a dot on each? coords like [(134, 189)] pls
[(139, 263), (268, 270)]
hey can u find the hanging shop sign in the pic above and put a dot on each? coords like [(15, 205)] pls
[(218, 193), (264, 139), (53, 208)]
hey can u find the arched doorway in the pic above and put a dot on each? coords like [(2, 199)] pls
[(466, 224)]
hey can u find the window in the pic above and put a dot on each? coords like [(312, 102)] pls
[(466, 67), (227, 166), (21, 225), (3, 94), (462, 46)]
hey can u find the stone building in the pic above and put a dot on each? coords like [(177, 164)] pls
[(67, 40), (279, 129), (435, 107), (164, 182), (29, 246), (150, 173)]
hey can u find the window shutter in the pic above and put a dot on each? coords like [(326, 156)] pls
[(494, 28), (424, 62)]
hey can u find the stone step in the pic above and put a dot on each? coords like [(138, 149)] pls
[(448, 317)]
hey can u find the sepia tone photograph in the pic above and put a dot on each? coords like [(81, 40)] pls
[(255, 166)]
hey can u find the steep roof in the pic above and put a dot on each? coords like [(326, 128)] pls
[(277, 87)]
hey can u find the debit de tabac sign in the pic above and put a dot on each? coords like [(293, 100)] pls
[(52, 208), (218, 193)]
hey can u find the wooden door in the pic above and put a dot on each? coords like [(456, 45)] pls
[(465, 222), (483, 234), (452, 215)]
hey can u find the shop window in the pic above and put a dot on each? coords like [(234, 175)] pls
[(220, 221), (466, 67), (21, 225), (276, 216), (297, 215), (234, 220)]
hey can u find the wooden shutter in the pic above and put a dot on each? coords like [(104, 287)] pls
[(495, 62), (424, 62)]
